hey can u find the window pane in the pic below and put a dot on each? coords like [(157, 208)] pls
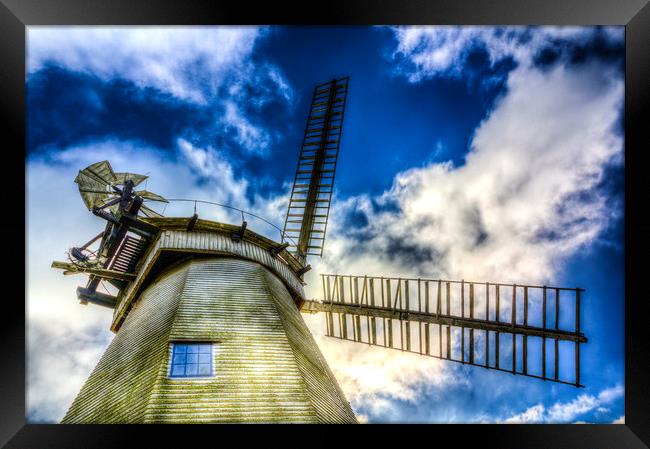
[(191, 360), (192, 369), (178, 370)]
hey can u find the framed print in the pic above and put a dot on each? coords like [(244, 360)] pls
[(423, 214)]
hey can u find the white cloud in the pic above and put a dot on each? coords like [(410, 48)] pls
[(436, 50), (250, 137), (206, 65), (372, 377), (619, 420), (608, 395), (524, 200), (187, 62), (362, 419), (61, 356), (567, 412), (534, 414), (208, 163)]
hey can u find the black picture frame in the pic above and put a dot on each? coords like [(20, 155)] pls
[(15, 15)]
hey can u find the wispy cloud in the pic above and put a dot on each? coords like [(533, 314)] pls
[(567, 412), (188, 62), (428, 51), (211, 67), (210, 164), (61, 357), (250, 137)]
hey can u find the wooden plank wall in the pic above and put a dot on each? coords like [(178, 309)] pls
[(267, 366), (119, 387), (324, 391)]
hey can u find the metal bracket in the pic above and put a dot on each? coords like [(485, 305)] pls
[(238, 235), (303, 270), (275, 250), (192, 222)]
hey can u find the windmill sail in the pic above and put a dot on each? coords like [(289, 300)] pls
[(145, 194), (121, 178), (94, 182), (306, 222), (521, 329), (98, 187)]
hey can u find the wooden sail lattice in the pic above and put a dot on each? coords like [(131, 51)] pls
[(306, 222), (521, 329)]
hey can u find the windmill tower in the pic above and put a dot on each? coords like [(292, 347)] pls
[(207, 315)]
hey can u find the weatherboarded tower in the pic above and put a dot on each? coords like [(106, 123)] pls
[(208, 330)]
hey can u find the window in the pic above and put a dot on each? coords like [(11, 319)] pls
[(191, 360)]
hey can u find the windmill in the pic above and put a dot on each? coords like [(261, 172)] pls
[(207, 315)]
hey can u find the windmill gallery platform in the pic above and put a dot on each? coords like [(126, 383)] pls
[(234, 299)]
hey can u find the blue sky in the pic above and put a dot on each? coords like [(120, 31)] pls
[(484, 153)]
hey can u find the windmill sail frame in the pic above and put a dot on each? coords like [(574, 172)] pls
[(424, 309), (306, 221)]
